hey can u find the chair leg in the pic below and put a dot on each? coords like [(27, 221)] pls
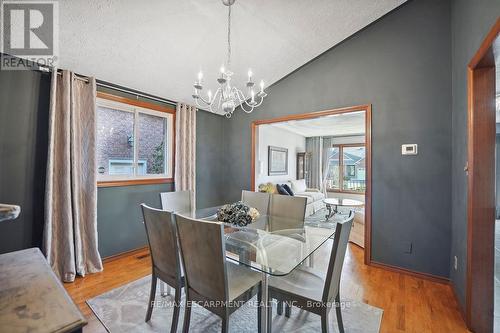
[(325, 328), (187, 316), (177, 309), (270, 316), (279, 308), (339, 313), (225, 325), (259, 313), (152, 294), (288, 310)]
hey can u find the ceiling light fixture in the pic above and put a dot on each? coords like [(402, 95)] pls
[(227, 97)]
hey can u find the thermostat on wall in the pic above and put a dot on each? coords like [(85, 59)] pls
[(409, 149)]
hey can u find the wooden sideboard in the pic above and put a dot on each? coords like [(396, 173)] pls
[(32, 299)]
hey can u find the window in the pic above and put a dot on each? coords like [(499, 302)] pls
[(346, 168), (135, 141)]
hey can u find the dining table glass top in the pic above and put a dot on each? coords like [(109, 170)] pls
[(271, 244)]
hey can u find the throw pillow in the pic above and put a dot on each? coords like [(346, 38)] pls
[(288, 189), (299, 185), (281, 190)]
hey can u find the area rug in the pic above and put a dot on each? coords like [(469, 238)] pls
[(318, 219), (123, 310)]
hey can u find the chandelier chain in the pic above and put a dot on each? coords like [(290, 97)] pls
[(229, 37)]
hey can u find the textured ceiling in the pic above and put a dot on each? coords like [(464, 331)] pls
[(343, 124), (159, 46)]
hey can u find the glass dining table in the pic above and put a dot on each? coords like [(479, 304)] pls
[(272, 245)]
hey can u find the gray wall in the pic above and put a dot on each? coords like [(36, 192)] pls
[(470, 21), (400, 64), (24, 102), (497, 174), (119, 217), (210, 183)]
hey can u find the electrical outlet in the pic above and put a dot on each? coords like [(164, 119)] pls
[(408, 248), (455, 262)]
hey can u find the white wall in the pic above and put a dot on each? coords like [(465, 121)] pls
[(272, 136)]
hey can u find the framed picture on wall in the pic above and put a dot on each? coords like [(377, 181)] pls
[(277, 161)]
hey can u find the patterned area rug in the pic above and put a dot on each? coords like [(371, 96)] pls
[(123, 310)]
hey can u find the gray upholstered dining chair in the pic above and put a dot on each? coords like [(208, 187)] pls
[(309, 289), (257, 200), (163, 246), (292, 207), (219, 286), (179, 201)]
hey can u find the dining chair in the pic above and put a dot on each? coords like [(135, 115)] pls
[(163, 246), (219, 286), (311, 290), (257, 200), (179, 201), (290, 207)]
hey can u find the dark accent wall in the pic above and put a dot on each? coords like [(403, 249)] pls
[(24, 108), (401, 65), (470, 21), (210, 182), (119, 217), (24, 103)]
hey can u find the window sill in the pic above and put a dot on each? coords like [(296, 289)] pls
[(345, 192), (131, 182)]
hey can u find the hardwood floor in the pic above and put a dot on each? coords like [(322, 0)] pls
[(410, 304)]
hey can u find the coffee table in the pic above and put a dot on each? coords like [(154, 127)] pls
[(332, 204)]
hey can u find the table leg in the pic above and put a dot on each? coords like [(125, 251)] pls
[(329, 214), (265, 303)]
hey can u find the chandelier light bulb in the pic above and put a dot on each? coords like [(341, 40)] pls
[(250, 75), (209, 93), (222, 70), (261, 85), (200, 76)]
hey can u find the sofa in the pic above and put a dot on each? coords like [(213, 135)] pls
[(314, 196)]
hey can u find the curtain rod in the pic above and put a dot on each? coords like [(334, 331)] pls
[(113, 86)]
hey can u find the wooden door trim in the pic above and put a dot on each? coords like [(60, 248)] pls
[(479, 296), (368, 144)]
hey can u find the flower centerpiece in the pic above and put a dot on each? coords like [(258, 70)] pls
[(237, 213)]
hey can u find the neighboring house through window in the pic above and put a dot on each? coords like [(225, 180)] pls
[(135, 141), (346, 168)]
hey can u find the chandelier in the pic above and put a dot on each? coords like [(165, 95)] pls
[(228, 97)]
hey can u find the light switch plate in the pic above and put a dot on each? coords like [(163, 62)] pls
[(409, 149)]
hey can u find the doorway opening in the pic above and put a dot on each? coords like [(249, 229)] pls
[(328, 153), (481, 206)]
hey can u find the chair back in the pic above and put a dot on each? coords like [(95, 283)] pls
[(339, 247), (257, 200), (179, 201), (203, 254), (288, 207), (162, 240)]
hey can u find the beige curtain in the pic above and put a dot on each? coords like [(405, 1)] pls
[(185, 153), (70, 232)]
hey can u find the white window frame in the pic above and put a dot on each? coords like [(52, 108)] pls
[(169, 140)]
